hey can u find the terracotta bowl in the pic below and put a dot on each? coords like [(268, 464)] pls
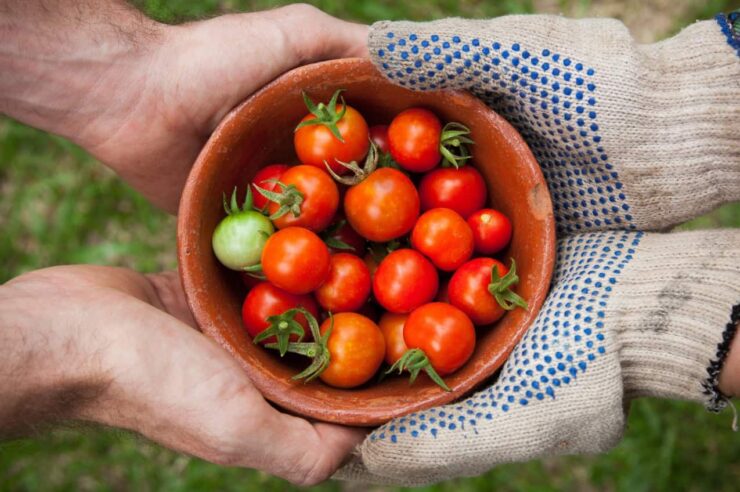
[(260, 132)]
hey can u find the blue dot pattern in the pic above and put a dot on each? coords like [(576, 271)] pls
[(550, 98), (567, 338)]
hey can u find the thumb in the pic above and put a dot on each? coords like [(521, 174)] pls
[(313, 35)]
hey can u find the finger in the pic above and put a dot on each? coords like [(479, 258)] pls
[(306, 453)]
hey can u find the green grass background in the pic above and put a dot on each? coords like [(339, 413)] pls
[(57, 206)]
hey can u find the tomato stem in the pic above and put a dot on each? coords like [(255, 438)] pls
[(289, 199), (453, 144), (415, 361), (359, 173), (232, 208), (500, 288), (326, 114), (318, 350), (282, 326)]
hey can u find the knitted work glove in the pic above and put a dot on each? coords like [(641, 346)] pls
[(630, 314), (629, 137)]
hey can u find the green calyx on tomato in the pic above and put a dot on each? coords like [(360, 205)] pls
[(500, 288), (453, 144), (239, 238), (358, 173), (282, 326), (415, 361), (318, 350), (289, 199), (326, 114)]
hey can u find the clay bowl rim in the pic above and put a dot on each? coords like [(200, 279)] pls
[(296, 403)]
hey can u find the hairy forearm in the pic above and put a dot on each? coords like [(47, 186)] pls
[(61, 60)]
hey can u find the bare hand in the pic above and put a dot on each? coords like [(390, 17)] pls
[(112, 346)]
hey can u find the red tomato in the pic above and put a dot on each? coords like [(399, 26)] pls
[(391, 324), (468, 290), (315, 144), (444, 237), (296, 260), (318, 205), (266, 300), (357, 349), (384, 206), (463, 190), (444, 333), (404, 281), (379, 136), (267, 173), (348, 284), (491, 230), (414, 138)]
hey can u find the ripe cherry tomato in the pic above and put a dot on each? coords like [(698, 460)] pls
[(391, 324), (379, 136), (384, 206), (491, 230), (469, 291), (266, 300), (262, 179), (444, 333), (296, 260), (404, 281), (317, 203), (347, 286), (316, 143), (463, 190), (357, 349), (444, 237), (414, 137)]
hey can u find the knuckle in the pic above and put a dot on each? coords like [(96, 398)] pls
[(311, 469)]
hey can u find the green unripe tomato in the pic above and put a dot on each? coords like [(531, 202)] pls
[(239, 238)]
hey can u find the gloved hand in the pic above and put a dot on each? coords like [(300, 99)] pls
[(629, 138)]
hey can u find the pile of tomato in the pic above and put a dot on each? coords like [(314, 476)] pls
[(377, 247)]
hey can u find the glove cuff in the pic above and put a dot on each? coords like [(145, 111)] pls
[(675, 315)]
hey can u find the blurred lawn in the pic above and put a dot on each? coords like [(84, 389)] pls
[(57, 205)]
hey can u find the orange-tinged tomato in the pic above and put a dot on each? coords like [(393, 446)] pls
[(391, 324), (384, 206), (444, 333), (320, 199), (296, 260), (357, 348), (315, 144)]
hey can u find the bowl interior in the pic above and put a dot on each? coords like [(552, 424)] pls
[(259, 133)]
